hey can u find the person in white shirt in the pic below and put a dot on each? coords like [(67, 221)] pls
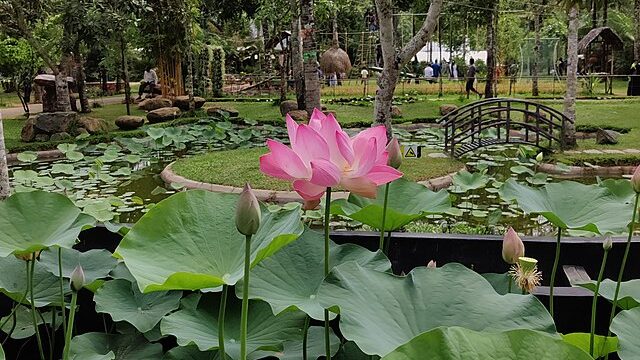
[(149, 80), (364, 75), (428, 73)]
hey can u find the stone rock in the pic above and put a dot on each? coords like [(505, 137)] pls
[(607, 137), (42, 138), (215, 110), (155, 103), (299, 116), (447, 108), (93, 125), (60, 136), (396, 112), (288, 106), (163, 114), (56, 122), (49, 80), (28, 130), (82, 131), (129, 122), (182, 102)]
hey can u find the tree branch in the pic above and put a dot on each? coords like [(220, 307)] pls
[(423, 35), (22, 27)]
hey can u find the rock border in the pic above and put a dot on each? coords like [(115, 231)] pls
[(279, 196), (585, 171)]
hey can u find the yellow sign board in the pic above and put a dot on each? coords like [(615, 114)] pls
[(411, 151)]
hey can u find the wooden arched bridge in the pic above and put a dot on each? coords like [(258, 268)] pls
[(502, 121)]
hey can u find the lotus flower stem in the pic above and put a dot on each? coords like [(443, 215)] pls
[(30, 271), (221, 312), (15, 307), (61, 281), (327, 220), (595, 302), (624, 263), (245, 298), (384, 216), (510, 283), (305, 334), (69, 333), (554, 270)]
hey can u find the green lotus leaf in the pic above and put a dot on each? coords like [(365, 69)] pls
[(13, 282), (465, 181), (189, 241), (65, 148), (290, 278), (67, 169), (27, 156), (292, 350), (350, 351), (96, 264), (2, 356), (628, 297), (602, 345), (190, 352), (196, 323), (100, 346), (619, 187), (124, 302), (457, 343), (572, 205), (519, 169), (627, 326), (74, 156), (23, 326), (36, 220), (381, 311), (408, 201), (500, 283)]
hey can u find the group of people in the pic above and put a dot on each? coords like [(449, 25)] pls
[(433, 71)]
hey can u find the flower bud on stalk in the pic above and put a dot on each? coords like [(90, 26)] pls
[(432, 264), (512, 247), (248, 212), (539, 157), (635, 180), (395, 154), (77, 278), (607, 244)]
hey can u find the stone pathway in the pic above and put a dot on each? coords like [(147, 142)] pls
[(14, 112), (604, 151)]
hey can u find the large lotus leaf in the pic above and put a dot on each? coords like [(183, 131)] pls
[(350, 351), (465, 181), (381, 311), (602, 345), (457, 343), (96, 263), (572, 205), (2, 357), (627, 326), (124, 302), (407, 202), (100, 346), (197, 323), (13, 282), (189, 353), (190, 242), (22, 328), (291, 278), (500, 283), (292, 350), (620, 188), (32, 221), (628, 297)]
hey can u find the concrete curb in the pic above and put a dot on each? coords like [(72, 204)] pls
[(168, 176), (42, 155), (584, 171)]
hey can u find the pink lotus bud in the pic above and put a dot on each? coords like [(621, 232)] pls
[(432, 264), (310, 204), (395, 154), (77, 278), (512, 247), (248, 212), (607, 244), (635, 180)]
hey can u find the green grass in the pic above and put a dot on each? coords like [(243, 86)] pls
[(237, 167)]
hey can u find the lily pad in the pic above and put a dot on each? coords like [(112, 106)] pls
[(627, 326), (572, 205), (628, 297), (96, 264), (23, 327), (190, 242), (292, 350), (408, 201), (13, 282), (27, 157), (33, 221), (465, 181), (190, 352), (291, 277), (100, 346), (519, 169), (380, 311), (453, 342), (602, 345)]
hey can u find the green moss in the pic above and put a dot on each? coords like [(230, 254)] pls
[(236, 167)]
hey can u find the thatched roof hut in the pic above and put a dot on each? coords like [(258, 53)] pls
[(604, 35), (335, 60)]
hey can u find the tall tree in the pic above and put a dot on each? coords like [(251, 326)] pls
[(297, 62), (636, 29), (492, 14), (537, 13), (393, 60), (310, 57), (569, 108)]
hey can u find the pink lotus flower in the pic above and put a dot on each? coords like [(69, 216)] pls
[(322, 155)]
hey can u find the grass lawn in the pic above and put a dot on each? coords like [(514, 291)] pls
[(236, 167)]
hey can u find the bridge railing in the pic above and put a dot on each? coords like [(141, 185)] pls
[(465, 128)]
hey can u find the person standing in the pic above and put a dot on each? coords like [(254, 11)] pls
[(364, 75), (428, 73), (471, 78), (149, 81), (436, 69), (454, 70)]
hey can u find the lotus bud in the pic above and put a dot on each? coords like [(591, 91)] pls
[(310, 204), (539, 157), (635, 180), (248, 212), (512, 247), (607, 244), (77, 278), (432, 264), (395, 154)]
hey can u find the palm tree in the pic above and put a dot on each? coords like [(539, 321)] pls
[(310, 58), (5, 190), (569, 109)]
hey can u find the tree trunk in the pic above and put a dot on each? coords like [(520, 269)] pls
[(81, 82), (125, 73), (605, 12), (594, 14), (5, 189), (283, 72), (310, 57), (189, 85), (62, 88), (394, 60), (636, 28), (569, 131), (297, 63), (266, 55), (491, 48), (536, 52)]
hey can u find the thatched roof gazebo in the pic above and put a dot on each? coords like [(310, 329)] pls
[(335, 60), (598, 48)]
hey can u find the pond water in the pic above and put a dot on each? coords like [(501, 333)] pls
[(119, 181)]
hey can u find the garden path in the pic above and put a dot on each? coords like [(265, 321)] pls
[(13, 112)]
